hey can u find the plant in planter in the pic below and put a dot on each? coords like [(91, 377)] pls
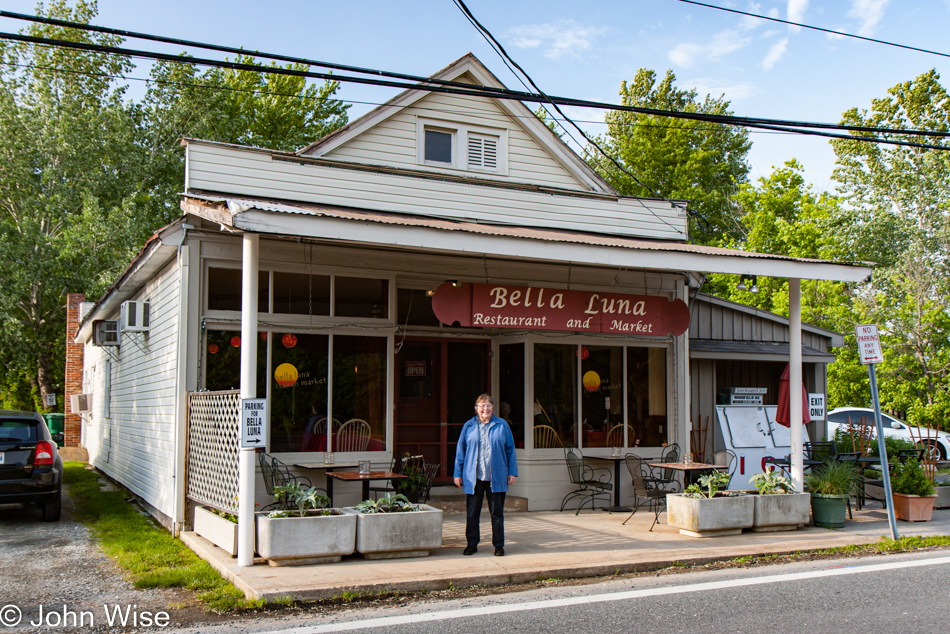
[(705, 510), (307, 531), (831, 485), (413, 485), (392, 526), (777, 506), (912, 491)]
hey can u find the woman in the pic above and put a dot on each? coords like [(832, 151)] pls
[(485, 466)]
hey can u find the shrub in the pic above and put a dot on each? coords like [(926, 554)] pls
[(832, 478), (910, 479)]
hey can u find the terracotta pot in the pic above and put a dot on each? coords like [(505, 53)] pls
[(913, 508)]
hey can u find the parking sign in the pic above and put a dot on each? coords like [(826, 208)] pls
[(869, 344)]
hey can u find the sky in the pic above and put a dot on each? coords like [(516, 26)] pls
[(586, 49)]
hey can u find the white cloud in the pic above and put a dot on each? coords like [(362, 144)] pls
[(732, 92), (869, 12), (796, 12), (775, 54), (566, 37), (722, 44)]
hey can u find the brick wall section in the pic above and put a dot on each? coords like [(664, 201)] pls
[(73, 368)]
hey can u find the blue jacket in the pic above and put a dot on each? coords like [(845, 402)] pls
[(503, 462)]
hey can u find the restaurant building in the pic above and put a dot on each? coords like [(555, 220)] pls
[(439, 247)]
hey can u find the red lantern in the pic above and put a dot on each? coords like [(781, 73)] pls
[(289, 340), (584, 352), (236, 341), (213, 348), (264, 336)]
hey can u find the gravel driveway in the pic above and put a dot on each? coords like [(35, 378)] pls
[(57, 566)]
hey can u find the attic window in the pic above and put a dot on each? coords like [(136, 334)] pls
[(462, 146)]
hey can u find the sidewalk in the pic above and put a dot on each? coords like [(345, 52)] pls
[(541, 545)]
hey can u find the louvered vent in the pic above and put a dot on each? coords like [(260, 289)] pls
[(482, 152)]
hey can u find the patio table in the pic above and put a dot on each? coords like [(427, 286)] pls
[(616, 508), (691, 470), (365, 478)]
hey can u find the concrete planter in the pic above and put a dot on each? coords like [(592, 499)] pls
[(391, 535), (302, 541), (943, 498), (217, 530), (913, 508), (703, 517), (786, 512)]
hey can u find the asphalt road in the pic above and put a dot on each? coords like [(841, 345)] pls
[(897, 593)]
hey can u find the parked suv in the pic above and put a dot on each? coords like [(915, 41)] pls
[(892, 427), (31, 470)]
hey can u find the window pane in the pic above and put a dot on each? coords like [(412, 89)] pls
[(415, 308), (438, 146), (223, 355), (602, 396), (555, 391), (511, 389), (361, 297), (224, 289), (646, 395), (301, 294), (298, 398), (359, 385)]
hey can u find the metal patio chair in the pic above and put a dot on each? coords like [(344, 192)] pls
[(647, 489), (276, 474), (591, 482)]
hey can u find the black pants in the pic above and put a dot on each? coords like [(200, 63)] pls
[(496, 508)]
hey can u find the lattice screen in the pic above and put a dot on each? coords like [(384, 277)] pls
[(214, 441)]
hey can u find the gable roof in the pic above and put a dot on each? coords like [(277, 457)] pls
[(466, 68)]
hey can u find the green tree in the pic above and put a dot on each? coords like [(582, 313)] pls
[(896, 214), (703, 163)]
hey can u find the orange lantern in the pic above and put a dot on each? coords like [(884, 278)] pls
[(213, 348), (236, 341), (289, 340)]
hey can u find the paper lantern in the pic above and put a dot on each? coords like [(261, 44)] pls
[(213, 348), (289, 340), (236, 341)]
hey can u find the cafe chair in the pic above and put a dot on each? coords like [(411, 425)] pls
[(431, 470), (851, 458), (727, 458), (647, 489), (353, 436), (670, 453), (398, 466), (545, 437), (820, 451), (591, 482), (276, 474), (615, 435)]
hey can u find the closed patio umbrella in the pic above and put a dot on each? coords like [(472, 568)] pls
[(782, 416)]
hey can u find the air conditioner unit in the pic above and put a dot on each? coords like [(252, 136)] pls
[(80, 403), (105, 332), (133, 316)]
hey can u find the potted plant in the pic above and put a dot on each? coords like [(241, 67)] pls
[(306, 531), (395, 527), (831, 485), (413, 485), (706, 509), (777, 507), (912, 491), (218, 527)]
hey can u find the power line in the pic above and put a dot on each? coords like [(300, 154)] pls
[(440, 85), (816, 28)]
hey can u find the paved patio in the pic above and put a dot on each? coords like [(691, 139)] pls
[(541, 545)]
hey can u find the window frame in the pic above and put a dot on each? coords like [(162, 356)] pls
[(460, 136)]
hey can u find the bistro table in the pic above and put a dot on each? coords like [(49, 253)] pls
[(691, 470), (616, 508), (365, 478)]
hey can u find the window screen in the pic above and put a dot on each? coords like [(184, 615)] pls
[(438, 146)]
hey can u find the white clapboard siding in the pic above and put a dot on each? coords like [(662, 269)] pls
[(393, 141), (136, 445), (253, 173)]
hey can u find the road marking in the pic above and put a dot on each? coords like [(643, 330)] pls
[(462, 613)]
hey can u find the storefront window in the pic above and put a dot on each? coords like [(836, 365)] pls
[(555, 395), (414, 308), (646, 396), (298, 398), (602, 396), (511, 389), (359, 386), (361, 297), (224, 289), (301, 294), (223, 361)]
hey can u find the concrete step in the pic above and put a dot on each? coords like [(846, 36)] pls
[(455, 503)]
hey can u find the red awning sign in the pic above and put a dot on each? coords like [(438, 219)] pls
[(530, 308)]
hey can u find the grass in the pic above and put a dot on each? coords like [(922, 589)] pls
[(151, 555)]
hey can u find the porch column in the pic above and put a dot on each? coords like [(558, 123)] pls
[(795, 379), (249, 266)]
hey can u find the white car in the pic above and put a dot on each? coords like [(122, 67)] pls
[(892, 427)]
